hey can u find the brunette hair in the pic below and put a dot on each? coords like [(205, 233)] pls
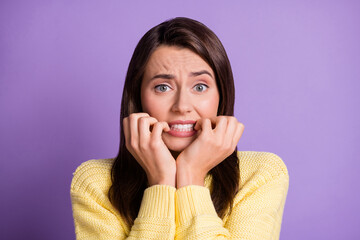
[(128, 178)]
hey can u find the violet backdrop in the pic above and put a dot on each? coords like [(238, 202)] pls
[(296, 65)]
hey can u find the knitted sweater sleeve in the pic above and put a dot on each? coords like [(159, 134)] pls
[(96, 218), (257, 208)]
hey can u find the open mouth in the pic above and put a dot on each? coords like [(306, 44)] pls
[(182, 128)]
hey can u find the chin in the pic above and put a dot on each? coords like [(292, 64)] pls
[(177, 144)]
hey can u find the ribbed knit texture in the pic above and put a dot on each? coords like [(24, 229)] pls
[(188, 212)]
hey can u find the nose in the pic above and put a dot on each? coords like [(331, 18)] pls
[(182, 102)]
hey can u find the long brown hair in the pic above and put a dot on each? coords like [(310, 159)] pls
[(128, 178)]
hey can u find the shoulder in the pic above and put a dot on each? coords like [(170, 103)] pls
[(261, 167), (260, 201), (92, 175)]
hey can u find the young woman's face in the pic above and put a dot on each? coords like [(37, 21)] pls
[(179, 88)]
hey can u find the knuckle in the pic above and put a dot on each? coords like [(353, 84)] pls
[(143, 146), (127, 145), (233, 119), (220, 121), (133, 143), (158, 124), (142, 120), (222, 118), (125, 122), (163, 124), (154, 145), (132, 117)]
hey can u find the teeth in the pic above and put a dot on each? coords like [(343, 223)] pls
[(183, 127)]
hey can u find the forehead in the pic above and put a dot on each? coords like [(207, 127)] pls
[(173, 58)]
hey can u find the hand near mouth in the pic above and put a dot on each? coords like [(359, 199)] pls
[(143, 140), (217, 139)]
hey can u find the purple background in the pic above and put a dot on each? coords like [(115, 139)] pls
[(296, 67)]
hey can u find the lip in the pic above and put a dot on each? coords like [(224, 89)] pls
[(181, 122), (181, 134)]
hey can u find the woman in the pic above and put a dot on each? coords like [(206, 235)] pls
[(178, 173)]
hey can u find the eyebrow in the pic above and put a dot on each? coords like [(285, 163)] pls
[(163, 76), (192, 74)]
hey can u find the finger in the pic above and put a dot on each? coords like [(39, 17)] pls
[(158, 129), (144, 132), (199, 123), (139, 115), (203, 125), (221, 124), (167, 127), (232, 124), (238, 133), (144, 124), (133, 124), (133, 134), (206, 126), (126, 129)]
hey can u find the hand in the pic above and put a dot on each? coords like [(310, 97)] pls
[(210, 148), (148, 148)]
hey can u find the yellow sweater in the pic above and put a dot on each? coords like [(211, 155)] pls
[(188, 212)]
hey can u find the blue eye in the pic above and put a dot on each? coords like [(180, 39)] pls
[(200, 87), (162, 88)]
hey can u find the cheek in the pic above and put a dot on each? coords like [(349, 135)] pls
[(208, 107), (152, 105)]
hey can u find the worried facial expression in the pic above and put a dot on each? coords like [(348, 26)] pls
[(179, 87)]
